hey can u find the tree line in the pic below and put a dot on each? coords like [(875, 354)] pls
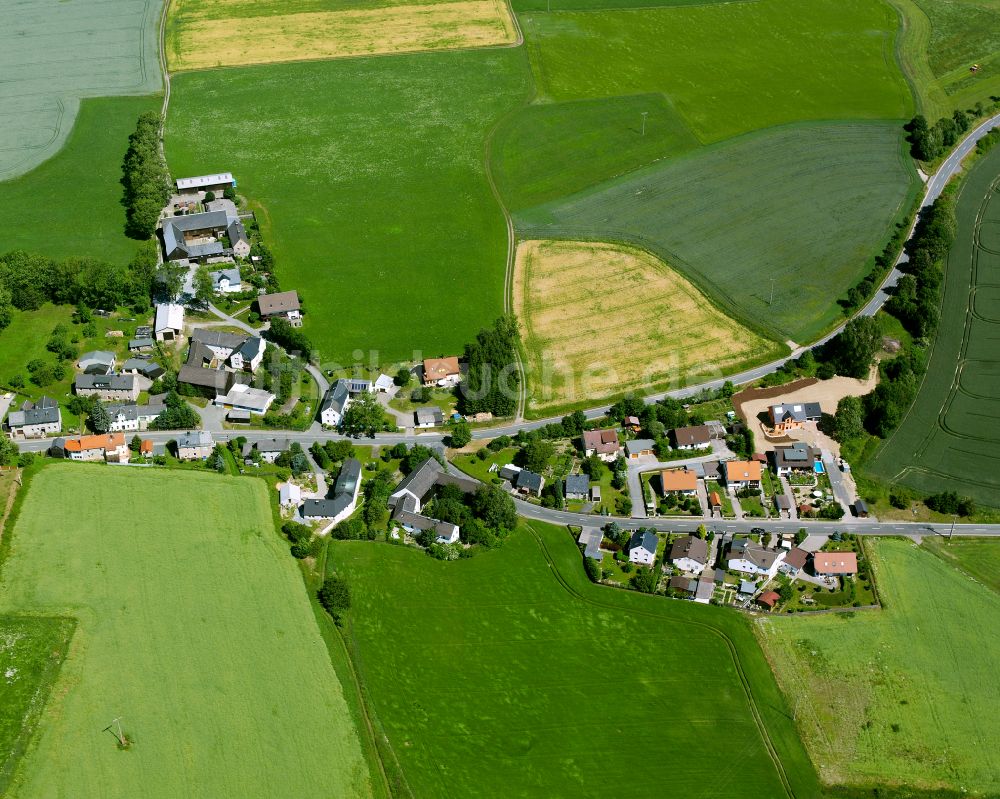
[(145, 178), (492, 381)]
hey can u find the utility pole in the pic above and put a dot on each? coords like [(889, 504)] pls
[(952, 531), (644, 115), (770, 301)]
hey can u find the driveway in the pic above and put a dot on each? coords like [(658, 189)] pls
[(636, 468), (842, 491), (6, 400), (212, 417)]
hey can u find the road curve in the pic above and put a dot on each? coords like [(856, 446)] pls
[(935, 185)]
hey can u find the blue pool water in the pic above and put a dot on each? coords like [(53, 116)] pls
[(818, 467)]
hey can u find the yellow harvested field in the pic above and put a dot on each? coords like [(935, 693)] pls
[(600, 319), (204, 42)]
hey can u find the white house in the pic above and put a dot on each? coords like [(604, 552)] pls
[(169, 323), (194, 445), (289, 495), (221, 344), (642, 547), (269, 448), (244, 398), (130, 417), (749, 558), (690, 554), (248, 356), (227, 281), (35, 419), (343, 498), (334, 404)]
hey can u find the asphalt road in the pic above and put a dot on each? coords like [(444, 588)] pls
[(935, 185)]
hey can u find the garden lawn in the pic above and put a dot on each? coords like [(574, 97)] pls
[(728, 68), (71, 204), (806, 205), (948, 439), (902, 694), (52, 54), (193, 626), (495, 671), (369, 180)]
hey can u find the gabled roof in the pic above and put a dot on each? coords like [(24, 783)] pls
[(130, 411), (759, 556), (103, 441), (637, 445), (769, 598), (114, 382), (690, 546), (603, 441), (326, 508), (272, 445), (529, 480), (336, 397), (205, 180), (104, 357), (697, 436), (796, 557), (169, 316), (282, 302), (195, 438), (591, 538), (217, 338), (237, 233), (45, 411), (645, 539), (577, 484), (251, 348), (349, 477), (232, 275), (431, 416)]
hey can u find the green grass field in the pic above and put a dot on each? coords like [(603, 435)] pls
[(949, 438), (905, 694), (53, 54), (728, 69), (828, 190), (511, 669), (193, 625), (370, 176), (70, 205), (979, 557)]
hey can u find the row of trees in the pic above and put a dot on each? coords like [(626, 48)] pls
[(492, 382), (928, 142), (145, 178)]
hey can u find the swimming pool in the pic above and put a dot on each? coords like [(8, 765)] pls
[(818, 467)]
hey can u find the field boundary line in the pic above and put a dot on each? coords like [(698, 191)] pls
[(734, 654)]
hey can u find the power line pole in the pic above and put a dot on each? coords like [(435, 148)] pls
[(770, 301), (644, 115), (952, 531)]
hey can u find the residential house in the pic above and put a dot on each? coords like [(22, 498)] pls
[(342, 500), (785, 417), (108, 388), (794, 561), (284, 304), (406, 501), (424, 418), (169, 322), (35, 419), (639, 448), (748, 587), (217, 183), (690, 554), (97, 362), (529, 483), (751, 558), (220, 343), (591, 538), (743, 474), (242, 397), (129, 417), (227, 281), (195, 445), (835, 564), (239, 241), (268, 448), (798, 457), (249, 355), (642, 547), (509, 472), (334, 404), (577, 486), (442, 371), (110, 447), (710, 470), (679, 481), (691, 437), (602, 443), (289, 495)]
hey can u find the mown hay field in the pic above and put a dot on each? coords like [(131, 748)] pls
[(53, 54), (369, 179), (203, 35), (70, 206), (949, 438), (728, 68), (803, 206), (602, 319), (193, 625), (902, 695), (511, 669)]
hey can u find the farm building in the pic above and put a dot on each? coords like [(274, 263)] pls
[(194, 237), (169, 322), (216, 183)]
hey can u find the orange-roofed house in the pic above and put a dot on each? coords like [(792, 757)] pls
[(768, 599), (441, 371), (743, 474), (835, 564), (110, 447), (679, 481)]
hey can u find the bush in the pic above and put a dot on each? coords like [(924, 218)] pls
[(334, 596)]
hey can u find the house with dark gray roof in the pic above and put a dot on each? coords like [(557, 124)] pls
[(97, 362), (342, 499), (196, 236), (248, 356), (642, 547), (591, 538), (428, 417), (221, 343), (35, 419), (227, 281), (577, 486), (797, 457), (107, 387), (130, 417), (639, 447), (141, 344), (209, 382), (790, 416), (334, 404), (195, 445), (529, 483), (144, 367), (407, 500)]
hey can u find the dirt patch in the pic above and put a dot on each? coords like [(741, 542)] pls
[(753, 403), (601, 319), (207, 43)]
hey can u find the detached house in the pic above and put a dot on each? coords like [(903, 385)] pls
[(692, 437), (529, 483), (407, 500), (425, 418), (219, 343), (749, 558), (343, 498), (227, 281), (690, 554), (129, 417), (284, 304), (248, 355), (334, 404), (603, 443), (743, 474), (679, 481), (577, 486), (835, 564), (442, 371), (642, 547), (797, 457), (785, 417), (35, 419), (195, 445)]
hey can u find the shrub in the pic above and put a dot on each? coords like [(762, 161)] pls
[(334, 596)]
